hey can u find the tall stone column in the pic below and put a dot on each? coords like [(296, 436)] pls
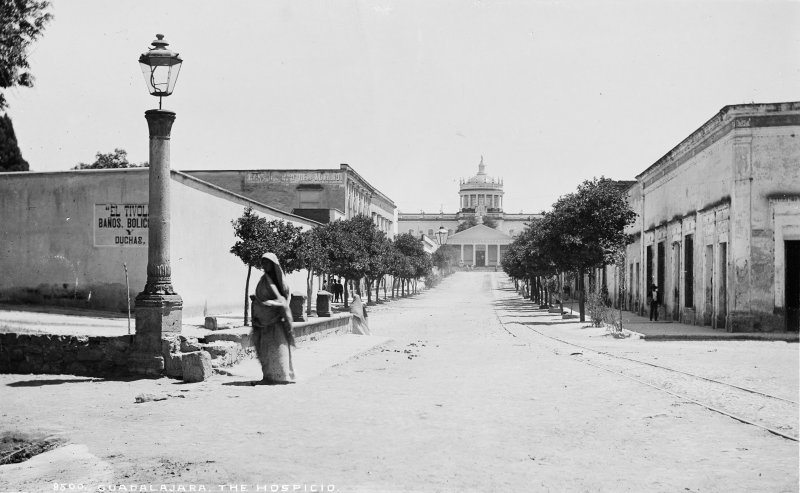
[(158, 307)]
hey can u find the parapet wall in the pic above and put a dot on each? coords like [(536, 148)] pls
[(111, 356), (64, 355)]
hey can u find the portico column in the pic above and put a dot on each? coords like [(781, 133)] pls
[(486, 256), (462, 252), (158, 306)]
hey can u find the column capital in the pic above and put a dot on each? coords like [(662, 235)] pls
[(159, 122)]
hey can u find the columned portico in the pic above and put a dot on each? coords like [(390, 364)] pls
[(480, 246)]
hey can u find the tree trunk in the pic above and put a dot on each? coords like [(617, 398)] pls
[(378, 288), (309, 290), (368, 287), (581, 296), (247, 297), (531, 289), (346, 282)]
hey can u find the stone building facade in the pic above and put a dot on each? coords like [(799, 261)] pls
[(718, 226), (322, 195), (480, 196)]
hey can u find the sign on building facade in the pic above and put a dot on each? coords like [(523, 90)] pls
[(120, 225)]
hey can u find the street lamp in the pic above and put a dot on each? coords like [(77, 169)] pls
[(442, 235), (160, 67), (158, 306)]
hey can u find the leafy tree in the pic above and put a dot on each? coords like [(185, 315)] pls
[(490, 222), (10, 155), (258, 236), (116, 159), (527, 259), (585, 229), (21, 23), (411, 261), (445, 258), (312, 255), (355, 250), (469, 222)]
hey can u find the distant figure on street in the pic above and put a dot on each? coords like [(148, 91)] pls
[(272, 323), (654, 303), (337, 290), (359, 312), (324, 285)]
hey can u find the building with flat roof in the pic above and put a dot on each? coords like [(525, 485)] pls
[(718, 226), (322, 195)]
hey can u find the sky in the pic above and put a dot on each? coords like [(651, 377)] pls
[(410, 93)]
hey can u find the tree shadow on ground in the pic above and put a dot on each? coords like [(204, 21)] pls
[(254, 383), (79, 379), (56, 381)]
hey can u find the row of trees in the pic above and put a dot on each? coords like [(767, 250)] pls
[(584, 230), (353, 249)]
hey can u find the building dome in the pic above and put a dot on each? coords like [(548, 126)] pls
[(481, 193), (481, 180)]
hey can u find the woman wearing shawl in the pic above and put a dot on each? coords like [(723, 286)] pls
[(359, 312), (272, 323)]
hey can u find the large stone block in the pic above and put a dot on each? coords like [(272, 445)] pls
[(189, 345), (173, 365), (223, 353), (196, 366)]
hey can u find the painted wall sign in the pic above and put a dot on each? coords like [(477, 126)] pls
[(120, 225), (293, 177)]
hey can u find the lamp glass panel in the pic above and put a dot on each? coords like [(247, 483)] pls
[(160, 78)]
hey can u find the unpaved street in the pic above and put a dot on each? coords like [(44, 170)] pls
[(465, 398)]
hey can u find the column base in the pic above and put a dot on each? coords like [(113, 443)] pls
[(146, 364), (157, 315)]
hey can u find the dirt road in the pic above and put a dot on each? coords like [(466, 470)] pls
[(463, 399)]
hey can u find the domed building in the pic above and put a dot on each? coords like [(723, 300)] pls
[(480, 203)]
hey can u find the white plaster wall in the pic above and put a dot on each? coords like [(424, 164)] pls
[(204, 272), (47, 237), (702, 180)]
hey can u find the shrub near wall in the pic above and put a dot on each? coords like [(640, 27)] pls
[(64, 354)]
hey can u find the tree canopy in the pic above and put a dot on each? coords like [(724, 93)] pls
[(21, 23), (116, 159), (584, 229)]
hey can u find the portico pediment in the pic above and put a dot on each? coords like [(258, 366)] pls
[(480, 234)]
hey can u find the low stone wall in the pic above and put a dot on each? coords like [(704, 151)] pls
[(183, 357), (60, 354), (315, 328)]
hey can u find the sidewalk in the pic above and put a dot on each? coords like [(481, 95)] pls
[(676, 331)]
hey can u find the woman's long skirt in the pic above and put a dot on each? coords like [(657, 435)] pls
[(274, 354)]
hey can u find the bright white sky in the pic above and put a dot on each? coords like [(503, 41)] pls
[(410, 93)]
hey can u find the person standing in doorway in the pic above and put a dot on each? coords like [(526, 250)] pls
[(654, 303)]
